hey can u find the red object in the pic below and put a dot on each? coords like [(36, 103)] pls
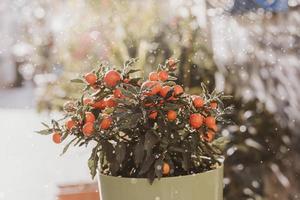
[(99, 104), (198, 102), (79, 192), (210, 122), (106, 122), (89, 117), (153, 115), (163, 75), (56, 137), (178, 90), (87, 101), (118, 93), (112, 78), (196, 120), (154, 87), (164, 91), (153, 76), (172, 115), (88, 129), (90, 78), (110, 102), (70, 124)]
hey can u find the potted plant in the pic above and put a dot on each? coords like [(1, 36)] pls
[(151, 139)]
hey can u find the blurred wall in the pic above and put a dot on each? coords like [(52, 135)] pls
[(259, 52), (7, 27)]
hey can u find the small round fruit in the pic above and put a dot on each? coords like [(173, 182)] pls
[(89, 117), (88, 129), (70, 124), (209, 136), (164, 91), (110, 102), (118, 94), (163, 75), (90, 78), (152, 87), (56, 137), (196, 120), (210, 122), (172, 115), (126, 80), (149, 104), (99, 104), (178, 90), (87, 101), (198, 102), (214, 105), (166, 169), (153, 76), (214, 128), (112, 78), (153, 114), (106, 122)]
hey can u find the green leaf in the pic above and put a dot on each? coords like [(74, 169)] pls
[(220, 142), (44, 132), (150, 140), (147, 164), (77, 80), (158, 168), (46, 125), (120, 152), (139, 153), (93, 162), (67, 146), (133, 71), (186, 161)]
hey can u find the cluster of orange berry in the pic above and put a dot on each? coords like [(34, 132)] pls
[(111, 79), (153, 86), (196, 120)]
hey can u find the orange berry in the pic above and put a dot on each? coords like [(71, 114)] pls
[(153, 114), (112, 78), (149, 104), (163, 75), (198, 102), (106, 122), (153, 76), (165, 168), (210, 122), (90, 78), (126, 80), (209, 136), (89, 117), (178, 90), (196, 120), (214, 105), (88, 129), (164, 91), (87, 101), (154, 87), (70, 124), (99, 104), (172, 115), (214, 128), (118, 94), (110, 102), (56, 137)]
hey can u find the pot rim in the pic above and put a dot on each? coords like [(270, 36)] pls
[(172, 177)]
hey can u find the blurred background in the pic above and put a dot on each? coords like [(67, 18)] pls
[(248, 48)]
